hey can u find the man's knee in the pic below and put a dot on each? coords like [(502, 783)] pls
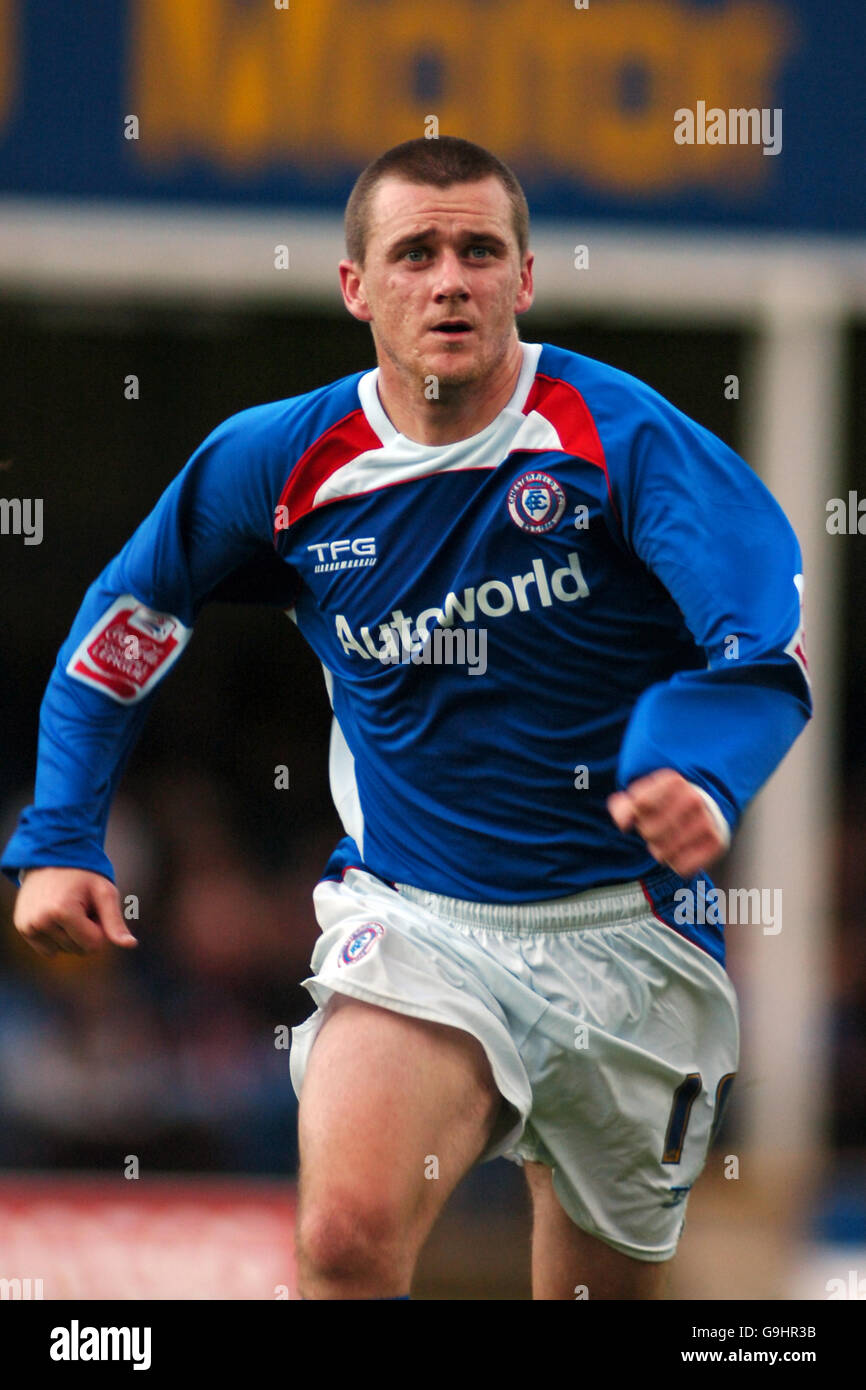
[(385, 1094), (346, 1236)]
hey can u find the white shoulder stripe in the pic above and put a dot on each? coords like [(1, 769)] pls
[(401, 460)]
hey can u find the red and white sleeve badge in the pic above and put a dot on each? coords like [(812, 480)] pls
[(128, 650)]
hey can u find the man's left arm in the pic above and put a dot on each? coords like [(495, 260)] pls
[(699, 746)]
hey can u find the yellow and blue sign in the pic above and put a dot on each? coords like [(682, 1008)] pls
[(701, 112)]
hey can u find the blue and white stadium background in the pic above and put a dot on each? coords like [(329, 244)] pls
[(152, 156)]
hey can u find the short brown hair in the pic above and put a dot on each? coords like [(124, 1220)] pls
[(441, 162)]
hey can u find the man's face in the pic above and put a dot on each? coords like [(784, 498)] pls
[(442, 280)]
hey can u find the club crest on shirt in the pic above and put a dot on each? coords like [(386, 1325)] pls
[(362, 940), (535, 502)]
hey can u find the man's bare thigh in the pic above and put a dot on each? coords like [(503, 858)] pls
[(390, 1099)]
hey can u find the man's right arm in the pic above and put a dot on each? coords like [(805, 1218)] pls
[(214, 521)]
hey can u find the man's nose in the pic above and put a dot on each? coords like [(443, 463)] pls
[(450, 278)]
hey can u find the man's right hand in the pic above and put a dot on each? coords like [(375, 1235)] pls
[(72, 910)]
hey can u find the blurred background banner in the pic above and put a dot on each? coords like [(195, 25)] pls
[(236, 104), (158, 1239), (172, 179)]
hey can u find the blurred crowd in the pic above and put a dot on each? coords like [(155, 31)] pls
[(174, 1051)]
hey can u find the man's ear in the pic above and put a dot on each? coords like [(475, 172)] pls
[(526, 292), (352, 288)]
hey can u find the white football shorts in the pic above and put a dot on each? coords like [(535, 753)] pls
[(612, 1039)]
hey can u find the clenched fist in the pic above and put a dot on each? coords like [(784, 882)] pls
[(673, 816), (70, 910)]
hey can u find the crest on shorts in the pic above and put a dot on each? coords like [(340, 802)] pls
[(360, 943), (535, 502)]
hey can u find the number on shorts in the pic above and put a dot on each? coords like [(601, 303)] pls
[(723, 1090), (684, 1099), (681, 1108)]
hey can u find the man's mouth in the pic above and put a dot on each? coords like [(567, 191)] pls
[(452, 328)]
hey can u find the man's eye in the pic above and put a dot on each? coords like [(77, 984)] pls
[(415, 251), (485, 250)]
